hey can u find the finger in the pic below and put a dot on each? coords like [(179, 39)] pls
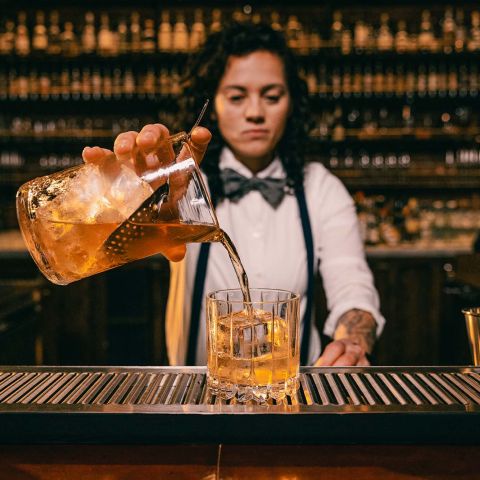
[(177, 253), (200, 139), (152, 137), (346, 360), (332, 351), (95, 154), (125, 146)]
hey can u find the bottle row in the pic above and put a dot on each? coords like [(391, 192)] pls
[(185, 30), (430, 80), (337, 124), (393, 221), (336, 160), (86, 83), (373, 121), (361, 159), (76, 127)]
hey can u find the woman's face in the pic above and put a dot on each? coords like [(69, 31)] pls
[(252, 104)]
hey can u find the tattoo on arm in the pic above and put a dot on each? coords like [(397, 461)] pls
[(358, 326)]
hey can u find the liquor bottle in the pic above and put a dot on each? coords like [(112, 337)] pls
[(89, 42), (385, 37), (54, 85), (293, 32), (33, 87), (7, 38), (122, 35), (346, 41), (357, 81), (149, 83), (86, 84), (421, 86), (68, 40), (322, 84), (117, 84), (96, 84), (44, 85), (75, 84), (216, 24), (401, 37), (22, 40), (164, 82), (175, 88), (135, 32), (180, 33), (197, 33), (22, 82), (40, 37), (105, 41), (426, 37), (448, 29), (336, 30), (400, 87), (54, 47), (165, 33), (314, 40), (65, 89), (433, 80), (361, 36), (474, 41), (275, 21), (128, 83), (378, 79), (107, 83), (460, 31), (148, 36), (347, 82)]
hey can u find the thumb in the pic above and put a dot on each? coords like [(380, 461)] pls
[(200, 139)]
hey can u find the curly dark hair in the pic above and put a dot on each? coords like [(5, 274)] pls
[(203, 74)]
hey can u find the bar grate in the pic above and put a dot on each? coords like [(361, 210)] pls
[(354, 388)]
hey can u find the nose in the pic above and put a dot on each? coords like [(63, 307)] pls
[(254, 111)]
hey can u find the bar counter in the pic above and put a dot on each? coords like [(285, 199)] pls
[(415, 423)]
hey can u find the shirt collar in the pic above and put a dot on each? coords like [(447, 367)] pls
[(273, 170)]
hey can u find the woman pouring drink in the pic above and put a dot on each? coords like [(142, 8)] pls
[(289, 218)]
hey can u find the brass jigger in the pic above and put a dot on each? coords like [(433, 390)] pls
[(472, 319)]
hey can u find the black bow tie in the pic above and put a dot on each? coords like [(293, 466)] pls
[(236, 186)]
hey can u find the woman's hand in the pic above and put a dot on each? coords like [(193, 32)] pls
[(149, 150), (353, 340), (142, 151), (342, 353)]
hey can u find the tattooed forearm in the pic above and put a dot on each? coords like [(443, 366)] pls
[(359, 326)]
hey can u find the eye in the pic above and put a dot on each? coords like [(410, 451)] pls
[(236, 98), (272, 98)]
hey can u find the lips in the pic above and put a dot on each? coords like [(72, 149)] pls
[(256, 132)]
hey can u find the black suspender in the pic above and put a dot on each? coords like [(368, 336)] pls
[(197, 298), (307, 235), (199, 285)]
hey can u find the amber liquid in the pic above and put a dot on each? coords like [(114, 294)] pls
[(250, 349), (77, 250)]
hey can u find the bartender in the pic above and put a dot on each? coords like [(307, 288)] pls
[(289, 218)]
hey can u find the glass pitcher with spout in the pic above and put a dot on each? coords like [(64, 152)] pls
[(94, 217)]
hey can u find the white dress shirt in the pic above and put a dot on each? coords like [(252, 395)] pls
[(271, 246)]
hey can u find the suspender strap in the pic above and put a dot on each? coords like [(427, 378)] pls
[(199, 286), (197, 298), (307, 234)]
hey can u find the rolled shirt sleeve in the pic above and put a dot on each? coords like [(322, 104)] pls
[(347, 279)]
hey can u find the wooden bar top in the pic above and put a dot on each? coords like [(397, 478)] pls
[(232, 462)]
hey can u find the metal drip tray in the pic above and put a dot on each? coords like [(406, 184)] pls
[(334, 405)]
